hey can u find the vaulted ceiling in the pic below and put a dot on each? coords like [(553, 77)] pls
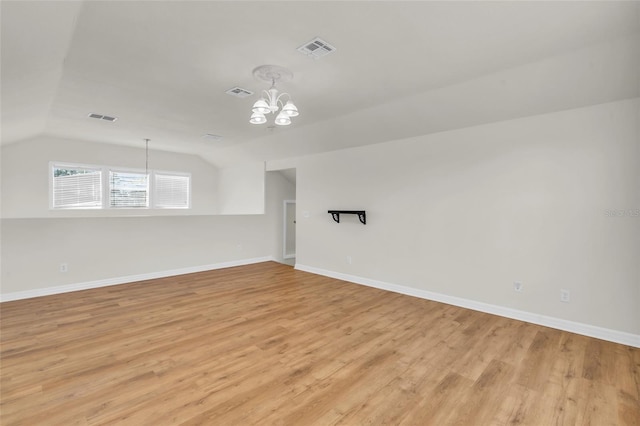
[(400, 69)]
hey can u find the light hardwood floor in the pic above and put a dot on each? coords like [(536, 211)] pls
[(266, 344)]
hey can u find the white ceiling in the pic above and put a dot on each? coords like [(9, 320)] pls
[(400, 69)]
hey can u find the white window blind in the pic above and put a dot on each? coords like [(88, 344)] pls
[(83, 186), (171, 191), (128, 189), (76, 187)]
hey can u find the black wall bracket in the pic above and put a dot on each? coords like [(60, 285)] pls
[(362, 215)]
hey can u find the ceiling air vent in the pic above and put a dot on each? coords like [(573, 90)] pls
[(316, 48), (239, 92), (212, 137), (102, 117)]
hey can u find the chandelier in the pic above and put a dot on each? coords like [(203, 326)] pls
[(272, 101)]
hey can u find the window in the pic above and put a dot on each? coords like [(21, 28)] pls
[(78, 186), (171, 191), (128, 189)]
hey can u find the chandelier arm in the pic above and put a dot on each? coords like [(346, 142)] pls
[(266, 94), (281, 95)]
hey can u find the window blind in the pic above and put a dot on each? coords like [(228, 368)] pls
[(84, 186), (171, 191), (76, 187), (128, 189)]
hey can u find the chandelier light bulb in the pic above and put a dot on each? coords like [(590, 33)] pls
[(261, 106), (283, 120), (258, 118), (290, 109)]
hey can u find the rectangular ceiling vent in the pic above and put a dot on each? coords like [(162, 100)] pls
[(102, 117), (239, 92), (316, 48)]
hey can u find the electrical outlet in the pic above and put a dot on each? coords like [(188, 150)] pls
[(517, 286), (565, 296), (64, 267), (349, 260), (239, 247)]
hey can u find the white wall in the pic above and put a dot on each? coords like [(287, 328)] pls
[(466, 213), (25, 176), (106, 248), (462, 213), (241, 189), (103, 248), (107, 245)]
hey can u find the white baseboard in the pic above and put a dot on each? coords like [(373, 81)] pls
[(557, 323), (47, 291)]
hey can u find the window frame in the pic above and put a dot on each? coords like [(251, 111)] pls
[(61, 164), (109, 170), (153, 189), (105, 180)]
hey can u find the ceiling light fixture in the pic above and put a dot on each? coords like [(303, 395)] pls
[(271, 101), (146, 157)]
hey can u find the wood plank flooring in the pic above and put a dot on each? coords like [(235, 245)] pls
[(265, 344)]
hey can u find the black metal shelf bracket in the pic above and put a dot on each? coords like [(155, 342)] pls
[(362, 215)]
